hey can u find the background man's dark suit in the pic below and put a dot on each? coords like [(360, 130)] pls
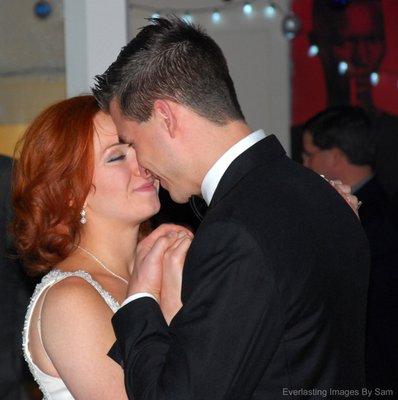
[(378, 220), (14, 296), (274, 293)]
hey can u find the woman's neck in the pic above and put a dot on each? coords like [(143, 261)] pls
[(114, 245)]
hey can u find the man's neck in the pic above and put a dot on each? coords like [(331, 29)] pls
[(216, 171), (356, 174), (224, 138)]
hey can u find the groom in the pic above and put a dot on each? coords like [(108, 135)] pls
[(275, 281)]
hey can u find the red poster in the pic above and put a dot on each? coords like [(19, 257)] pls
[(355, 62)]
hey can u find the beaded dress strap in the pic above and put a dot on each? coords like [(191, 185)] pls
[(48, 281)]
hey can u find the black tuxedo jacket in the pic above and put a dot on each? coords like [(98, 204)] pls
[(274, 293), (379, 222)]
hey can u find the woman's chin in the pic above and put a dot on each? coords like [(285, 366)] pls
[(150, 212)]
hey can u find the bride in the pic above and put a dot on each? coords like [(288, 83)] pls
[(81, 202)]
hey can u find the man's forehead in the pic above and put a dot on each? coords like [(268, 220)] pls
[(125, 137)]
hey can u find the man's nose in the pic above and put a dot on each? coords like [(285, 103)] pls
[(143, 171)]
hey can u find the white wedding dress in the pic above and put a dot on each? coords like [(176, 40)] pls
[(54, 388)]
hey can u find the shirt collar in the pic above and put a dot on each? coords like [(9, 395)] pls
[(360, 185), (215, 173)]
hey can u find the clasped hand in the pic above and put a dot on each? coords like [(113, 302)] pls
[(345, 192), (158, 267)]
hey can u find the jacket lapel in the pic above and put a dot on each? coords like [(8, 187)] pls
[(263, 152)]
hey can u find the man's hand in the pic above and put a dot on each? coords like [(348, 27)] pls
[(148, 266)]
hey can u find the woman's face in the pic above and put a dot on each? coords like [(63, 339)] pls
[(120, 193)]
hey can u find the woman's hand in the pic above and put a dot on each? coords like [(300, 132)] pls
[(165, 248), (345, 192), (147, 243), (173, 263)]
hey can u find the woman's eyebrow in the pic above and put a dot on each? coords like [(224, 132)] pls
[(113, 145)]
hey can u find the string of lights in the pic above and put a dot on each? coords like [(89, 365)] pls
[(343, 66), (291, 24), (269, 8)]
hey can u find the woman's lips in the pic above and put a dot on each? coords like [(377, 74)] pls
[(147, 187)]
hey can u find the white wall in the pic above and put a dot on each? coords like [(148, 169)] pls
[(258, 58), (29, 45), (256, 50), (95, 31)]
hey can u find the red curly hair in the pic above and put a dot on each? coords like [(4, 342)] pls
[(51, 182)]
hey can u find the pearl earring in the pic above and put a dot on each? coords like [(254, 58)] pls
[(83, 218)]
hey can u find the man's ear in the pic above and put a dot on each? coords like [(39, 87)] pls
[(337, 156), (164, 112)]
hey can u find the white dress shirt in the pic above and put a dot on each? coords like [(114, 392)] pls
[(213, 177), (216, 172)]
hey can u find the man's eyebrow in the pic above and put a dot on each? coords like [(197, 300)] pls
[(121, 140)]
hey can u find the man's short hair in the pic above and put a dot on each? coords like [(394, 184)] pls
[(346, 127), (170, 59)]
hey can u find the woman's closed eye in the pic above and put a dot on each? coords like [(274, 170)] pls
[(118, 153), (117, 158)]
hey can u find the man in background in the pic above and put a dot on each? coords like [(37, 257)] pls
[(338, 143), (353, 32), (14, 296)]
